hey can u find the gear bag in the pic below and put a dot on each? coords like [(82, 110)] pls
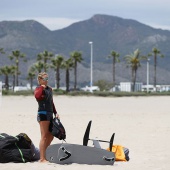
[(10, 151), (58, 129), (121, 153)]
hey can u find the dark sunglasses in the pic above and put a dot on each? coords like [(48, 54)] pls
[(45, 79)]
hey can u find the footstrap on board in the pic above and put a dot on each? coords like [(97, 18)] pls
[(68, 154), (108, 159)]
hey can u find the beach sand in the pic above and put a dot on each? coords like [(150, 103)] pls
[(140, 124)]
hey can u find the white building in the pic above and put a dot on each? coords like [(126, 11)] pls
[(127, 86), (0, 94), (90, 89), (0, 88), (159, 88), (149, 88), (164, 88), (115, 89)]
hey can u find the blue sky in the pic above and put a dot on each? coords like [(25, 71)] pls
[(57, 14)]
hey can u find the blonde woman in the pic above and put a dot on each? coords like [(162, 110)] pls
[(46, 108)]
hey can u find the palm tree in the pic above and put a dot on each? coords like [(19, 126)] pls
[(77, 58), (17, 55), (31, 75), (67, 65), (44, 57), (134, 61), (38, 66), (6, 71), (155, 52), (13, 74), (2, 51), (57, 64), (115, 57)]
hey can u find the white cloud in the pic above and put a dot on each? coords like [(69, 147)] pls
[(56, 23), (49, 22), (164, 27)]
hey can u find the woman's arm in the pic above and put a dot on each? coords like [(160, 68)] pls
[(39, 93), (54, 109), (55, 112)]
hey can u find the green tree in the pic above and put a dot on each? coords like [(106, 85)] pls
[(57, 63), (77, 58), (13, 75), (103, 85), (133, 60), (31, 75), (115, 56), (44, 57), (38, 66), (68, 65), (16, 56), (2, 51), (6, 71), (155, 52)]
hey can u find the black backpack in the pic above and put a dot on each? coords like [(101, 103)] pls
[(58, 130)]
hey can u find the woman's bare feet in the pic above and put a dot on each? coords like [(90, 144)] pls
[(43, 161)]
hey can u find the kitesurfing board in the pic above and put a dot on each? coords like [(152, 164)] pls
[(65, 153)]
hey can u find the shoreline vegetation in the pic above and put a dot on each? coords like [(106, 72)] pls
[(82, 93)]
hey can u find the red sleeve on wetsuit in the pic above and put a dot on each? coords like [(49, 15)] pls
[(38, 93)]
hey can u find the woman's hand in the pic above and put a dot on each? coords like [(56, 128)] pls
[(43, 85), (57, 116)]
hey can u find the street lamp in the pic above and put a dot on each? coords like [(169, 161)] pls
[(55, 75), (91, 70), (147, 75)]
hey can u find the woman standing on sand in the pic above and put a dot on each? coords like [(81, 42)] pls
[(43, 95)]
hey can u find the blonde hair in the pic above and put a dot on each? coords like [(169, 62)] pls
[(40, 75)]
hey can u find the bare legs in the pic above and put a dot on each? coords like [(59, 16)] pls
[(46, 139)]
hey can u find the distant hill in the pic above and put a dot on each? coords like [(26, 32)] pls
[(107, 33)]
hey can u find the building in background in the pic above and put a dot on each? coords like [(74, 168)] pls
[(0, 95), (127, 86), (0, 88)]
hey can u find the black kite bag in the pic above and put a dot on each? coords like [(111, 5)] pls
[(58, 129)]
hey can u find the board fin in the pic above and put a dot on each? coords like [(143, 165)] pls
[(86, 135), (111, 141)]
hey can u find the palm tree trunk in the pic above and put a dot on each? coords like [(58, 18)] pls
[(75, 75), (133, 80), (39, 70), (45, 65), (155, 63), (113, 71), (67, 80), (6, 82), (58, 77), (31, 82), (13, 81), (17, 73)]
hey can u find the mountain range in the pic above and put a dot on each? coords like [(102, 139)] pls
[(106, 32)]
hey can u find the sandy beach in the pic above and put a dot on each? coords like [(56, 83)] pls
[(140, 124)]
